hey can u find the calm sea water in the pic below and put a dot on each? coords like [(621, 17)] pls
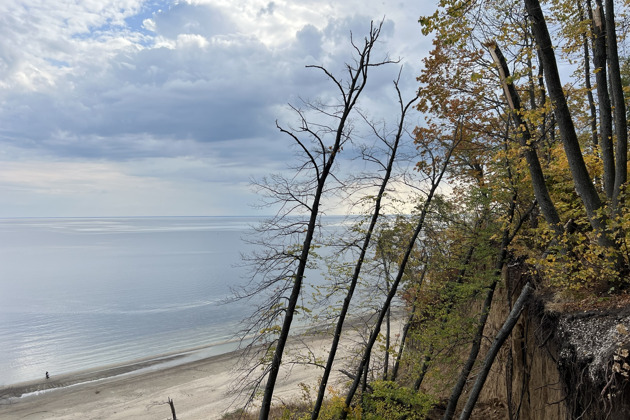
[(83, 293)]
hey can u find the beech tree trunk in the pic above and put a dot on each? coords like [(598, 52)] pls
[(581, 178), (541, 192), (605, 107), (621, 122), (587, 75)]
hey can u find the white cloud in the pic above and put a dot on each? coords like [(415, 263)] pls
[(122, 81)]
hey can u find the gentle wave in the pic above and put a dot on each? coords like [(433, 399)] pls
[(74, 299)]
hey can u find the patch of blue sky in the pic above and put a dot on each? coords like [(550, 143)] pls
[(149, 9), (133, 23), (97, 31)]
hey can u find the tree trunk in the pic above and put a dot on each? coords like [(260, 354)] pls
[(437, 178), (509, 362), (507, 238), (357, 82), (388, 330), (605, 108), (460, 278), (295, 293), (587, 76), (172, 404), (621, 122), (535, 170), (401, 348), (357, 269), (423, 369), (502, 335), (405, 332), (581, 177)]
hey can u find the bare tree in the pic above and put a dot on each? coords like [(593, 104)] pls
[(387, 168), (287, 239), (439, 160)]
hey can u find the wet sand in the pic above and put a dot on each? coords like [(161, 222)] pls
[(200, 389)]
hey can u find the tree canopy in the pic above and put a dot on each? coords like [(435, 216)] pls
[(521, 158)]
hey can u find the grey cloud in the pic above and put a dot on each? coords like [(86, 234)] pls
[(267, 10), (309, 41), (191, 100), (210, 95)]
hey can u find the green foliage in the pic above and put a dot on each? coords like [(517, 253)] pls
[(577, 263), (335, 405), (332, 408), (388, 400), (586, 267)]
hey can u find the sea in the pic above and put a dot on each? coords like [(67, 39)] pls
[(82, 293)]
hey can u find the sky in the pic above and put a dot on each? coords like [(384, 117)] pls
[(113, 108)]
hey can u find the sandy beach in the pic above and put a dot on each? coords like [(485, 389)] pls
[(200, 389)]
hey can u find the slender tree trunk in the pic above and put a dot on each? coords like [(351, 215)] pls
[(581, 177), (461, 276), (621, 122), (405, 332), (502, 335), (295, 292), (587, 75), (544, 132), (535, 170), (506, 240), (357, 269), (605, 108), (388, 317), (388, 328), (472, 355), (172, 405), (509, 362), (364, 381), (530, 72), (481, 324), (357, 83), (424, 367), (403, 264), (403, 340)]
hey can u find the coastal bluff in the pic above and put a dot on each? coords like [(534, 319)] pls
[(564, 360)]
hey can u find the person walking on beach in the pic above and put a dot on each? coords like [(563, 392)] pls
[(47, 375)]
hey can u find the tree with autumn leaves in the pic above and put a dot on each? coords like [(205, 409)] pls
[(530, 132), (562, 149)]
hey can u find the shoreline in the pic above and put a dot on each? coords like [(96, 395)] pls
[(130, 367), (201, 387), (139, 394), (139, 365)]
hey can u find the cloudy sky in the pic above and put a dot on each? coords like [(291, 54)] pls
[(168, 107)]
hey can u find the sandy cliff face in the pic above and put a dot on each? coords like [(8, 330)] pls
[(560, 364)]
